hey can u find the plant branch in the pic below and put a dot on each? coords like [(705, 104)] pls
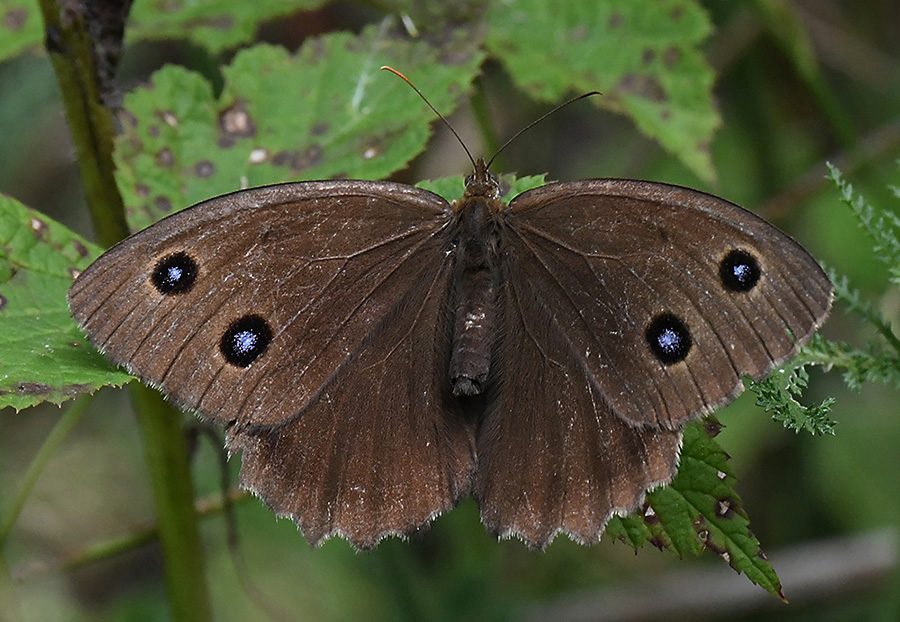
[(72, 53)]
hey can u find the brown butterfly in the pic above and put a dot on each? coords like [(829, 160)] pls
[(378, 353)]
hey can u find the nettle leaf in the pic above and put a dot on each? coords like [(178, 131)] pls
[(699, 510), (212, 24), (43, 355), (643, 58), (21, 27), (325, 112)]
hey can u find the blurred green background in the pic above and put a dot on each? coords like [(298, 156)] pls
[(826, 510)]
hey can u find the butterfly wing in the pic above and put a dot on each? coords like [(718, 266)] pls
[(628, 308), (665, 295), (552, 456), (384, 448), (281, 314)]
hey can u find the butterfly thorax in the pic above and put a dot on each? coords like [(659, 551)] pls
[(476, 276)]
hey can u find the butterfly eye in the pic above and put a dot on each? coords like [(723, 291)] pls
[(174, 274), (669, 339), (245, 340), (739, 271)]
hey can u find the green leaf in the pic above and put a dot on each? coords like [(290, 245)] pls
[(212, 24), (778, 393), (324, 112), (452, 188), (21, 27), (881, 225), (872, 364), (43, 355), (699, 510), (643, 58)]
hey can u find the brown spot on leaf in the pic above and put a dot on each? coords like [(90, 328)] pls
[(671, 56), (14, 19), (164, 158), (281, 158), (615, 21), (153, 131), (3, 302), (167, 117), (226, 141), (33, 388), (712, 426), (142, 190), (163, 204), (676, 12), (648, 55), (38, 227), (75, 389), (128, 118), (319, 128), (75, 344), (658, 542), (308, 159), (725, 508), (236, 121), (299, 160), (649, 515), (74, 272), (647, 87), (579, 33), (204, 168), (80, 248)]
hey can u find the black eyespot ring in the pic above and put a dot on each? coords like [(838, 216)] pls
[(175, 274), (669, 339), (739, 271), (245, 340)]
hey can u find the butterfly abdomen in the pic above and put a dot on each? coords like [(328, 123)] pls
[(476, 275)]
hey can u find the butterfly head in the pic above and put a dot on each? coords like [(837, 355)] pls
[(482, 183)]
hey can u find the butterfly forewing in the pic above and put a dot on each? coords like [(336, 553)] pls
[(623, 265), (319, 263)]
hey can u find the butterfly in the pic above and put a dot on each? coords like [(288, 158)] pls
[(377, 354)]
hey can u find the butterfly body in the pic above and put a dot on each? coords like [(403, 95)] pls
[(477, 279), (378, 354)]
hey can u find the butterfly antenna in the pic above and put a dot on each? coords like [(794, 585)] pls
[(440, 116), (536, 121)]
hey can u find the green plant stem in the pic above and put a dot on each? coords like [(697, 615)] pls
[(90, 122), (162, 433), (70, 417)]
